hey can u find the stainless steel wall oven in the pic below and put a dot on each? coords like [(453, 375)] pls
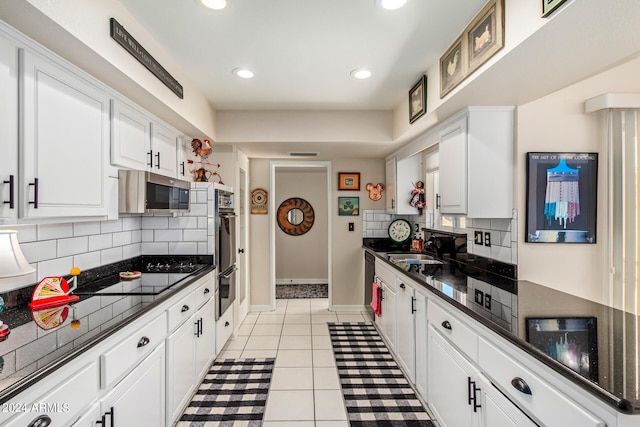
[(225, 250)]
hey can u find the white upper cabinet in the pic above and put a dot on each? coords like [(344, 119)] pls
[(390, 185), (184, 154), (476, 163), (140, 142), (64, 169), (130, 136), (164, 140), (8, 130)]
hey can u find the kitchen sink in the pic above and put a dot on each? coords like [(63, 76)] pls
[(413, 259)]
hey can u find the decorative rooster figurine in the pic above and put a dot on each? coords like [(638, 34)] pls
[(203, 150)]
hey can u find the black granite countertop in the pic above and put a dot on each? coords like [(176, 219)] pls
[(603, 338), (39, 342)]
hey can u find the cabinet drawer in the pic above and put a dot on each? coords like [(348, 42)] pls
[(204, 292), (133, 348), (453, 329), (543, 402), (386, 274), (182, 310), (62, 404)]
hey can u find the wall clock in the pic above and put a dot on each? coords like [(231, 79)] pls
[(400, 230)]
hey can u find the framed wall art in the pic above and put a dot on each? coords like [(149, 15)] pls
[(485, 35), (418, 99), (549, 6), (349, 181), (561, 197), (348, 206), (452, 67)]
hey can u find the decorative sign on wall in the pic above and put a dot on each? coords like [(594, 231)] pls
[(124, 39), (259, 201), (375, 191), (349, 181), (348, 206), (561, 197)]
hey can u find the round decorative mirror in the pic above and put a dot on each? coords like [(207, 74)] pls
[(295, 216)]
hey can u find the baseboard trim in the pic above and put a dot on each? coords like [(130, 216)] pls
[(301, 281)]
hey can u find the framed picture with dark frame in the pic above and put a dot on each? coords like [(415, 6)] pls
[(485, 34), (418, 99), (550, 6), (349, 181), (348, 206), (561, 197), (453, 68)]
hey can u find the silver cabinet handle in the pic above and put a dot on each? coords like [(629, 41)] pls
[(143, 341)]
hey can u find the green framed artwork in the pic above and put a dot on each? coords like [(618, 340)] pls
[(348, 206), (549, 6)]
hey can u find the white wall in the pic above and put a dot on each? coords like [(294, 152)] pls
[(558, 123)]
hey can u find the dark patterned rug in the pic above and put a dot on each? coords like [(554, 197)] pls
[(302, 291), (233, 393), (375, 390)]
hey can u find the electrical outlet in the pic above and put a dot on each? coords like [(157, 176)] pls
[(479, 297), (478, 238), (487, 301), (487, 238)]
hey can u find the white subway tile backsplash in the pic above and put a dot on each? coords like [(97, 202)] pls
[(168, 235), (54, 231), (483, 223), (111, 226), (500, 253), (27, 233), (131, 251), (131, 223), (505, 239), (203, 248), (122, 238), (147, 235), (198, 235), (86, 228), (112, 255), (87, 260), (201, 196), (153, 248), (54, 267), (136, 236), (199, 209), (183, 248), (39, 251), (73, 246), (202, 222), (183, 222), (154, 222), (100, 241), (502, 224)]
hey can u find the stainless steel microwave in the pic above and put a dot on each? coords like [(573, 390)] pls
[(142, 192)]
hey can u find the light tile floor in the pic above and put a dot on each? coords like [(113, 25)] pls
[(305, 390)]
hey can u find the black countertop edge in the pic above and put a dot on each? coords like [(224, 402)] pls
[(621, 405), (16, 388)]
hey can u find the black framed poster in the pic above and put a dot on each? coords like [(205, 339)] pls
[(562, 193)]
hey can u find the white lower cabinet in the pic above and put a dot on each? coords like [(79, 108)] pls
[(190, 350), (460, 395), (388, 314), (421, 343), (405, 327), (139, 399)]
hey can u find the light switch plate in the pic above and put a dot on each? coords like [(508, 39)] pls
[(477, 238)]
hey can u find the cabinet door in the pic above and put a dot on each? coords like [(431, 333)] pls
[(139, 400), (130, 137), (205, 341), (180, 367), (185, 153), (390, 185), (90, 418), (164, 149), (65, 151), (421, 344), (453, 168), (405, 327), (8, 130), (448, 384), (388, 317)]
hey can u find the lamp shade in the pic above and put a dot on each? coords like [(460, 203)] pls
[(12, 261)]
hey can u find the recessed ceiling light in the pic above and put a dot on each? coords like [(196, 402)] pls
[(243, 73), (214, 4), (391, 4), (361, 73)]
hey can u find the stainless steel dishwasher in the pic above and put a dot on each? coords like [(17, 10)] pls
[(369, 277)]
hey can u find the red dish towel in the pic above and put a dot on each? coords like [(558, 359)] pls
[(375, 299)]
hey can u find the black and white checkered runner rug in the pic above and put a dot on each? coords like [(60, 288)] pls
[(233, 393), (375, 390)]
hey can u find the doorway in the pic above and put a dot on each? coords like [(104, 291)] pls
[(300, 259)]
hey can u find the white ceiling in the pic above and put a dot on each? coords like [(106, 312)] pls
[(302, 51)]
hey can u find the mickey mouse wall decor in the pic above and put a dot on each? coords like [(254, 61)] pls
[(375, 192)]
